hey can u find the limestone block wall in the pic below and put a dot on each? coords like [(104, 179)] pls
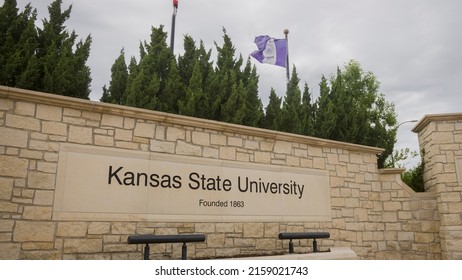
[(373, 212), (440, 136)]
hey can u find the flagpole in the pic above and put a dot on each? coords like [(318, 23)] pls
[(172, 38), (286, 32)]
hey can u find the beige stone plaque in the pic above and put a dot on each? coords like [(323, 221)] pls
[(96, 183)]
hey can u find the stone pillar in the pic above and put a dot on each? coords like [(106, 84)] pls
[(440, 136)]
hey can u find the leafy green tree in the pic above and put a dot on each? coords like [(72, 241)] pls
[(352, 110), (272, 118)]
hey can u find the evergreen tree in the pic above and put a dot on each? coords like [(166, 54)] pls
[(308, 112), (194, 103), (118, 83), (291, 108), (234, 109), (18, 43), (253, 106), (272, 118), (325, 118), (64, 70), (147, 82)]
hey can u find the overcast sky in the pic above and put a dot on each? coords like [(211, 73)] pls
[(412, 46)]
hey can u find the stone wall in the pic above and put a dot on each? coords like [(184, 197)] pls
[(373, 211), (440, 137)]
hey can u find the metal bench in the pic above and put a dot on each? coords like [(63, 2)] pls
[(303, 235), (150, 238)]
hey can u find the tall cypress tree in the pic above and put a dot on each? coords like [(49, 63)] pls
[(291, 108), (18, 44), (118, 83), (148, 80), (64, 70), (254, 107), (308, 112), (272, 118)]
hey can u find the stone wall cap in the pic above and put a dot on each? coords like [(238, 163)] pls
[(126, 111), (436, 117)]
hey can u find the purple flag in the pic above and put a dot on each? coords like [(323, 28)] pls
[(270, 50)]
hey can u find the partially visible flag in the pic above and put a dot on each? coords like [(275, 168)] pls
[(270, 50)]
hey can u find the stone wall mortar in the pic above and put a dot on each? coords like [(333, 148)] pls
[(373, 212)]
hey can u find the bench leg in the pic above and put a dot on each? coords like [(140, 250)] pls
[(184, 251), (291, 247), (146, 252), (315, 245)]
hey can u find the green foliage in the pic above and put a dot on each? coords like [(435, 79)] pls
[(352, 110), (414, 177), (43, 59)]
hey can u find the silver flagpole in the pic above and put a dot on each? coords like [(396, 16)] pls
[(286, 32)]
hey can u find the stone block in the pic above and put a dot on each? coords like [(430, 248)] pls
[(40, 180), (144, 130), (271, 230), (13, 137), (80, 134), (174, 134), (228, 153), (22, 122), (75, 246), (9, 251), (235, 142), (205, 227), (8, 207), (253, 230), (162, 146), (201, 138), (244, 242), (218, 139), (99, 228), (11, 166), (123, 134), (262, 157), (55, 128), (424, 237), (44, 198), (183, 148), (406, 236), (102, 140), (25, 108), (6, 225), (112, 121), (267, 244), (123, 228), (34, 231), (50, 113), (72, 229), (283, 147), (6, 188), (37, 213), (215, 240), (392, 206), (225, 227)]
